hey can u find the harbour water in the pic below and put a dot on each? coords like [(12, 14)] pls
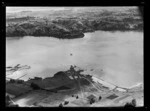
[(116, 57)]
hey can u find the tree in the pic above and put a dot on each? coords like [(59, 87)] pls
[(134, 102), (60, 105), (35, 86), (100, 97), (131, 104), (77, 97), (14, 105), (66, 102), (20, 81), (92, 100), (12, 81)]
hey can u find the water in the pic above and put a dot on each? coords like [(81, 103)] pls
[(116, 57)]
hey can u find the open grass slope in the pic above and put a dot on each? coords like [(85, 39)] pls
[(53, 91)]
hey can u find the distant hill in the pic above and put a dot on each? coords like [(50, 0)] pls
[(72, 22)]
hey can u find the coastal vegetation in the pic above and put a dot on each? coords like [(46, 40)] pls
[(70, 24)]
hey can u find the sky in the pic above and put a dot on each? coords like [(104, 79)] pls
[(18, 9)]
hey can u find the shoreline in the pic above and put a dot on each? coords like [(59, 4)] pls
[(105, 83), (81, 35), (73, 25), (64, 88), (107, 71)]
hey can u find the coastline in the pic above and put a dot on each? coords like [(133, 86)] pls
[(65, 86), (73, 25), (106, 62)]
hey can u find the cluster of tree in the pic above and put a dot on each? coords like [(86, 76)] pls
[(72, 28), (131, 104), (16, 81), (19, 19), (35, 86), (66, 102), (60, 105), (92, 100)]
